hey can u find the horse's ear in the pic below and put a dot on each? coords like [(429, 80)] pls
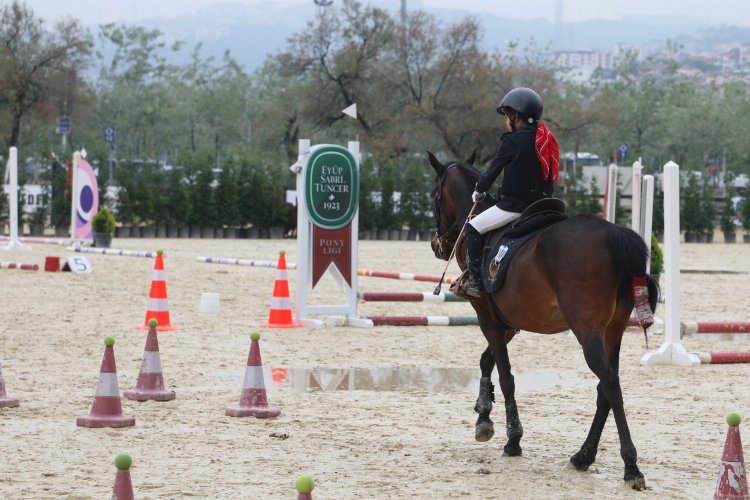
[(439, 167), (473, 157)]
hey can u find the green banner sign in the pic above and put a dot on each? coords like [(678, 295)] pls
[(331, 187)]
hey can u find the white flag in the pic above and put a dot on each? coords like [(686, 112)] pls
[(351, 111)]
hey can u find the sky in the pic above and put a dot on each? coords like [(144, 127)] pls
[(102, 11)]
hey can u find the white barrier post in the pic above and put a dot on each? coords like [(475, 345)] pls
[(647, 214), (14, 243), (74, 196), (635, 205), (611, 198), (672, 351)]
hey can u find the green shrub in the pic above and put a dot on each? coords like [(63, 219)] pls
[(103, 221), (657, 257)]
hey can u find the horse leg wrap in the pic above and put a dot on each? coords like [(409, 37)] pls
[(486, 396), (513, 426)]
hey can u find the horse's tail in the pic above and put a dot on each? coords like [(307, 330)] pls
[(629, 257)]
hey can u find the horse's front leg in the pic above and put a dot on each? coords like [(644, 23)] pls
[(485, 428), (513, 428)]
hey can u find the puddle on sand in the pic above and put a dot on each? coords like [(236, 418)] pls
[(409, 378)]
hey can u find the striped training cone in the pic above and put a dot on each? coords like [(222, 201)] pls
[(253, 401), (123, 489), (732, 481), (304, 486), (150, 385), (5, 401), (281, 307), (107, 409), (158, 305)]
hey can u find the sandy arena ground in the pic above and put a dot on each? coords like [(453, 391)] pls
[(356, 443)]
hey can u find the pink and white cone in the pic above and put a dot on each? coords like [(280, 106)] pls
[(150, 385), (5, 401), (253, 400), (107, 408)]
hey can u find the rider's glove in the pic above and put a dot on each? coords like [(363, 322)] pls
[(478, 196)]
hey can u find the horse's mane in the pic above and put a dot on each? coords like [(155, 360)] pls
[(471, 170)]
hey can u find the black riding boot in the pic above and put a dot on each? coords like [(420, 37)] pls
[(474, 285)]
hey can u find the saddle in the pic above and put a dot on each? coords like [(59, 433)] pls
[(502, 244)]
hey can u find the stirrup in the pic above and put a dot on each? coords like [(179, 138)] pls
[(472, 287)]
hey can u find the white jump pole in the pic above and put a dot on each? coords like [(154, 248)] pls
[(672, 352), (14, 243)]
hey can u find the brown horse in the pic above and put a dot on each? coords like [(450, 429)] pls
[(576, 275)]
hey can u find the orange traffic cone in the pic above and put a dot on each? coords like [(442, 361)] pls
[(304, 486), (732, 481), (253, 401), (158, 305), (281, 307), (150, 385), (5, 401), (107, 409), (123, 489)]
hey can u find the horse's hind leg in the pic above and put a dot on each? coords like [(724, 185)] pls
[(587, 454), (605, 367), (485, 428)]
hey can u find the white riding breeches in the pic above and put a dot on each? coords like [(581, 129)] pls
[(493, 218)]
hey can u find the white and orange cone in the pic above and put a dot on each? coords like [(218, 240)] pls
[(253, 400), (107, 408), (732, 481), (158, 304), (280, 315), (5, 401), (123, 488), (150, 385)]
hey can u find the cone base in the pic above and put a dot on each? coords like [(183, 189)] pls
[(253, 411), (280, 325), (93, 421), (8, 402), (160, 328), (149, 394)]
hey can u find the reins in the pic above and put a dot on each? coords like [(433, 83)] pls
[(453, 252)]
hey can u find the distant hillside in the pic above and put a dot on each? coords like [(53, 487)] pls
[(253, 32)]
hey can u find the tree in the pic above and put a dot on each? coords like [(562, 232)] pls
[(33, 60)]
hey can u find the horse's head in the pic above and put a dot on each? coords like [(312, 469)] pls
[(451, 196)]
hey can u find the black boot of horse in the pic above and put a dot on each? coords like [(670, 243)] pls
[(473, 286), (485, 428)]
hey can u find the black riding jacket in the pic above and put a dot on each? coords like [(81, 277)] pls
[(523, 182)]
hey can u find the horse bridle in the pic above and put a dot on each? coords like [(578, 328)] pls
[(443, 239)]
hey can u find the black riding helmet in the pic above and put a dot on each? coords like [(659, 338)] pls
[(523, 101)]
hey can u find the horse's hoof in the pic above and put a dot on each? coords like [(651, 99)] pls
[(511, 450), (580, 462), (638, 483), (484, 431)]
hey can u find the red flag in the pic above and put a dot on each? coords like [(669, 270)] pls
[(332, 246)]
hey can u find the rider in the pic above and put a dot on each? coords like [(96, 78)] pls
[(530, 156)]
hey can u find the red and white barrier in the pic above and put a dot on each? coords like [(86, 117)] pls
[(409, 297), (113, 251), (423, 320), (18, 265), (244, 262), (694, 327), (402, 276)]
